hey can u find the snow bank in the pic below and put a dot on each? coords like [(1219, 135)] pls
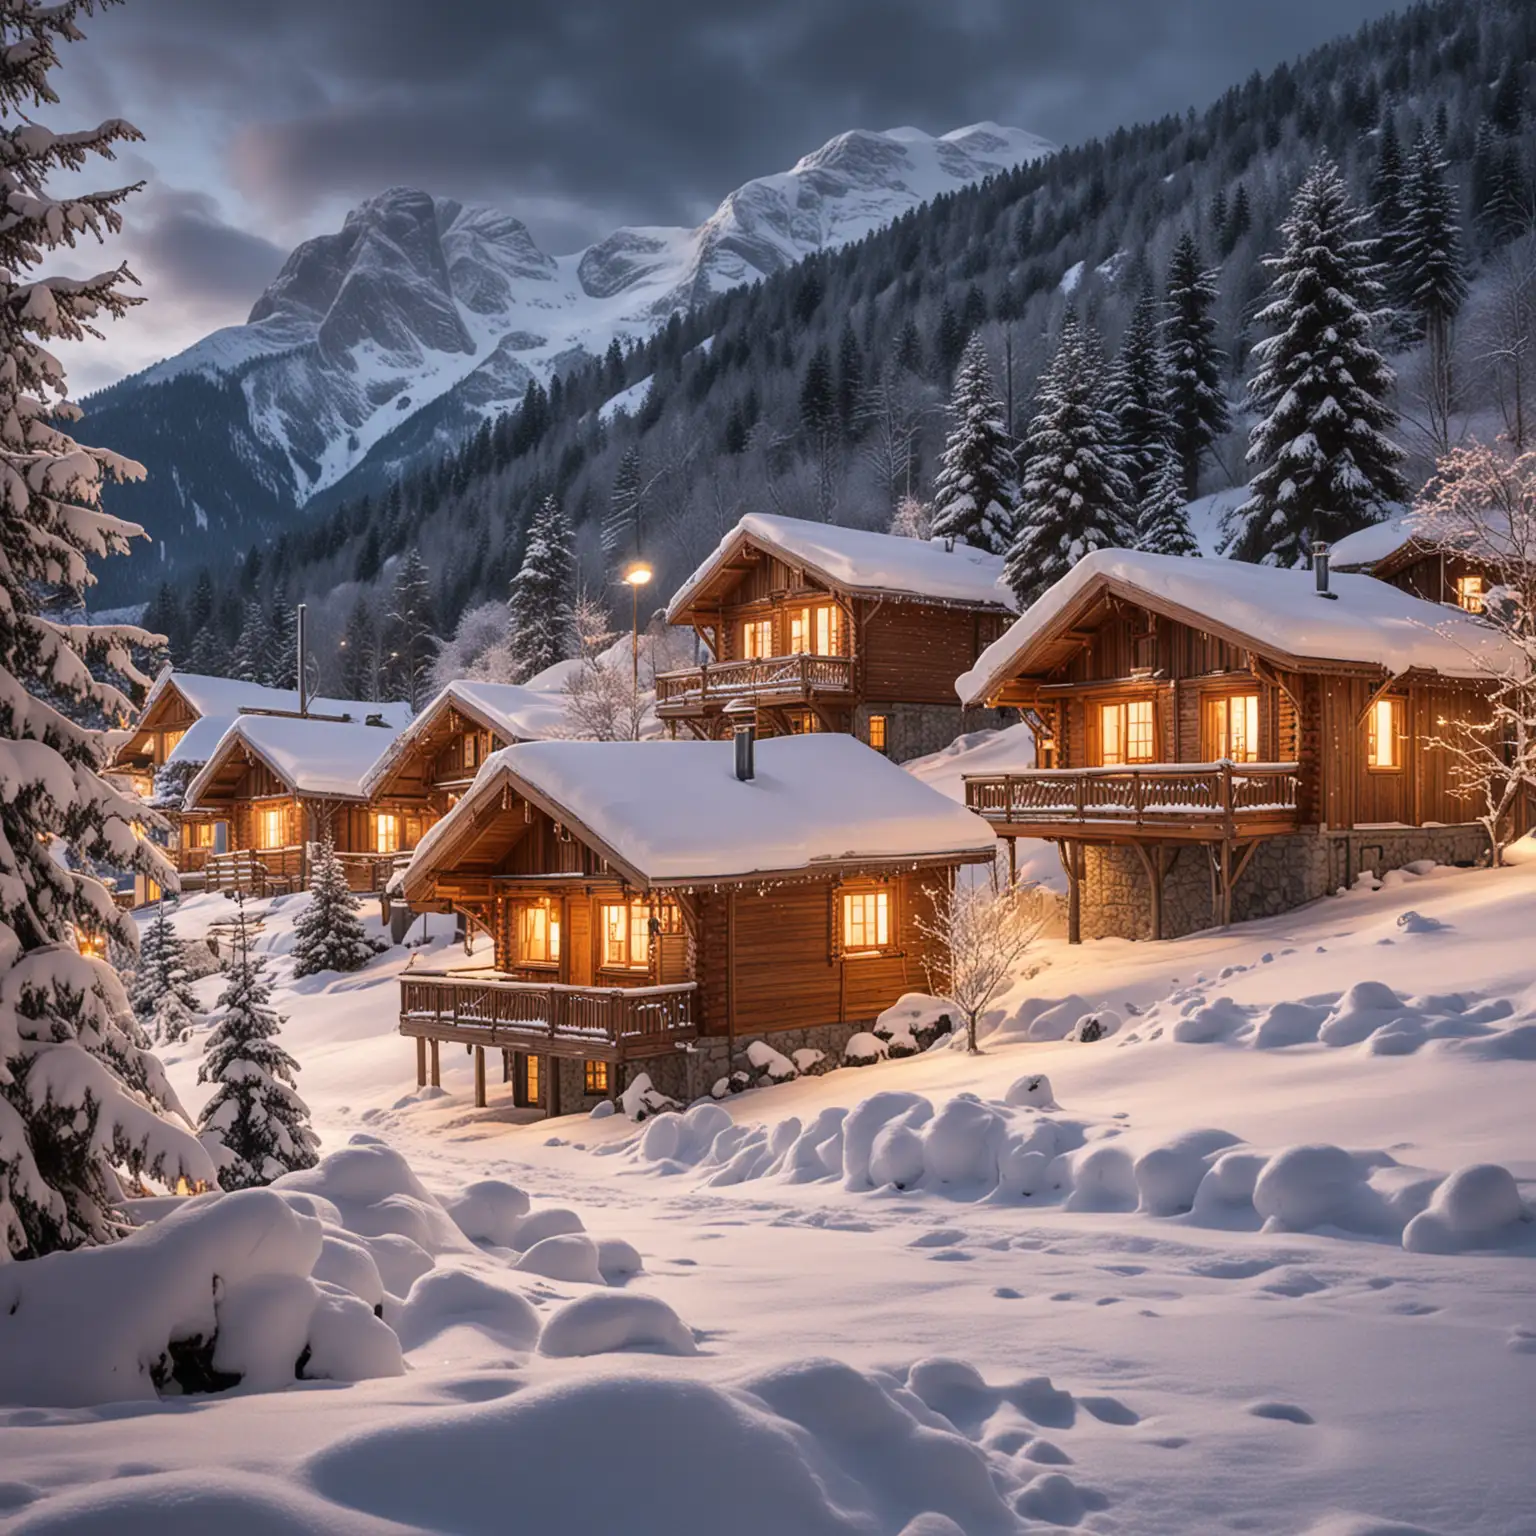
[(223, 1290), (1024, 1150), (606, 1321), (489, 1212)]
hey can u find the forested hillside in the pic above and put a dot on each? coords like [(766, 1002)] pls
[(824, 391)]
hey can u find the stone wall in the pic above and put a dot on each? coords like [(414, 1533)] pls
[(1284, 873), (915, 730), (712, 1057)]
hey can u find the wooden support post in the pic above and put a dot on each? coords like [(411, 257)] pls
[(616, 1082), (437, 1074), (551, 1086), (1069, 862), (421, 1062), (506, 1066), (1226, 882), (479, 1077), (1013, 861)]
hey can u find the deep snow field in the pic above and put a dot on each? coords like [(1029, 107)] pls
[(1112, 1301)]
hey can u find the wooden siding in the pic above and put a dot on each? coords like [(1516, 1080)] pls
[(912, 653)]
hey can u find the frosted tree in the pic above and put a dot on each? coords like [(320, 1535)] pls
[(410, 632), (975, 492), (1323, 460), (1076, 497), (1197, 407), (248, 660), (1480, 506), (1140, 388), (82, 1098), (1162, 519), (161, 994), (360, 654), (254, 1125), (541, 614), (624, 526), (601, 700), (912, 519), (280, 654), (328, 935)]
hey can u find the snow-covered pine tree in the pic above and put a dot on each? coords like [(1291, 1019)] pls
[(541, 613), (329, 934), (1324, 463), (160, 981), (359, 659), (1387, 203), (976, 491), (1197, 407), (280, 655), (248, 660), (81, 1095), (1076, 497), (1162, 520), (254, 1126), (411, 635), (208, 654), (623, 530), (1139, 385), (1431, 282)]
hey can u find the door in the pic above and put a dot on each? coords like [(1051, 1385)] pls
[(579, 947)]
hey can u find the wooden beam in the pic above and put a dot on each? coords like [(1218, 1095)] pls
[(479, 1076), (437, 1075), (421, 1063)]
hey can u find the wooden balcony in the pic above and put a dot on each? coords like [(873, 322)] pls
[(255, 871), (1198, 801), (368, 873), (490, 1009), (771, 681)]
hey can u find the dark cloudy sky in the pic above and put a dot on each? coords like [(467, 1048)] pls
[(266, 119)]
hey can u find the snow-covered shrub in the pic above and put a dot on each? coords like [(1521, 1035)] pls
[(810, 1062), (1033, 1091), (913, 1023), (863, 1050), (161, 994), (642, 1099), (1476, 1207), (1095, 1026), (328, 935), (772, 1067)]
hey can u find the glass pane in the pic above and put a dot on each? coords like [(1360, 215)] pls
[(1138, 734), (882, 917), (1110, 718), (615, 920), (639, 936)]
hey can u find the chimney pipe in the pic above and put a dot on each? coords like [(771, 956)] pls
[(303, 675), (1320, 572), (743, 718)]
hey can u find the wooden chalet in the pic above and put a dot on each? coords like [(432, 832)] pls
[(1214, 739), (1397, 553), (426, 768), (279, 784), (651, 909), (825, 628)]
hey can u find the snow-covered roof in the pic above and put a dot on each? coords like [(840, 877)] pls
[(199, 740), (856, 560), (1369, 546), (674, 811), (512, 710), (312, 757), (227, 696), (1275, 612)]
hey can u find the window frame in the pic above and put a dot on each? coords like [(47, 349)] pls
[(266, 816), (1216, 722), (1121, 710), (757, 639), (1471, 592), (880, 726), (638, 923), (1397, 714), (882, 910), (551, 936), (595, 1077), (395, 821)]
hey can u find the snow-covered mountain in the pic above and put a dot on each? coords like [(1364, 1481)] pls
[(424, 302)]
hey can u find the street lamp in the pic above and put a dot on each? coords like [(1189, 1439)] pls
[(637, 576)]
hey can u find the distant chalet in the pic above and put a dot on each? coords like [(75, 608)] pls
[(651, 910), (1216, 740), (831, 629)]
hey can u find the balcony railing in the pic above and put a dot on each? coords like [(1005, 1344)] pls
[(771, 679), (256, 871), (497, 1010), (367, 872), (1160, 794)]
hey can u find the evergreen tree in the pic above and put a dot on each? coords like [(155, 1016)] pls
[(850, 383), (161, 989), (1432, 282), (359, 654), (1162, 520), (81, 1095), (164, 617), (1197, 407), (1387, 203), (976, 491), (1140, 389), (410, 635), (818, 398), (280, 661), (1324, 462), (1076, 497), (200, 605), (541, 614), (329, 934), (623, 528), (208, 655), (255, 1125), (248, 660)]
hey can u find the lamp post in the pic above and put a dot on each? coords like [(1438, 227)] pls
[(636, 577)]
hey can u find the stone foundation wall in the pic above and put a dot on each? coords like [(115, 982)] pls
[(915, 730), (1284, 873), (712, 1057)]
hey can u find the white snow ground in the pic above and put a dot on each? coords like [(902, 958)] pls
[(876, 1359)]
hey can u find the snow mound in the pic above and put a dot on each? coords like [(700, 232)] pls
[(489, 1211), (605, 1322), (224, 1291), (914, 1022), (452, 1298), (571, 1256), (1477, 1207)]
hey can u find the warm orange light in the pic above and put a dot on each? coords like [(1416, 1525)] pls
[(638, 575)]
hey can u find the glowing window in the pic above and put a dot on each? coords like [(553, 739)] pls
[(386, 833), (172, 739), (1383, 735), (866, 921), (829, 631), (272, 827), (197, 834), (595, 1075), (757, 638), (472, 749), (1233, 727), (1469, 593), (877, 736), (1126, 733), (626, 930), (531, 1083), (538, 941), (800, 631)]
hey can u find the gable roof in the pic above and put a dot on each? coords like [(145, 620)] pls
[(311, 757), (228, 696), (1369, 546), (856, 561), (674, 812), (512, 710), (1274, 612)]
